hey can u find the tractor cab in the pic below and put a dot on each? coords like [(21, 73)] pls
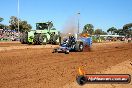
[(44, 26)]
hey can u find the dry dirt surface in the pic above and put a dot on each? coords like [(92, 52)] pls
[(39, 68), (122, 68), (4, 46)]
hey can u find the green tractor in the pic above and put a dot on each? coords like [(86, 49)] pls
[(44, 33)]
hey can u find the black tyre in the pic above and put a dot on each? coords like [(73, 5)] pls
[(60, 40), (54, 50), (36, 39), (67, 52), (79, 47), (58, 43), (81, 80), (24, 38), (43, 39), (54, 40), (21, 39)]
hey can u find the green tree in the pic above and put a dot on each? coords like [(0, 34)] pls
[(112, 30), (120, 32), (2, 26), (13, 23), (104, 33), (127, 29), (23, 25), (116, 31), (1, 19), (127, 26), (99, 32), (88, 28)]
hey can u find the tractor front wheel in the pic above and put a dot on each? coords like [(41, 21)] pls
[(67, 52)]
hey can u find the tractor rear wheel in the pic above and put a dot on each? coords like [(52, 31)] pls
[(24, 38), (79, 47), (21, 39), (43, 39), (55, 38), (36, 39)]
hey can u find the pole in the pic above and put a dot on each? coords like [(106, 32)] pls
[(78, 22), (78, 26), (18, 15)]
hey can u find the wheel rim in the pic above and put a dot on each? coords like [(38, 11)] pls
[(67, 51), (81, 47), (44, 40)]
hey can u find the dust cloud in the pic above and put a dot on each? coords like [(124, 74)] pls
[(70, 26)]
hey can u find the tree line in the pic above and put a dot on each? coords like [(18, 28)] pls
[(13, 24), (126, 30)]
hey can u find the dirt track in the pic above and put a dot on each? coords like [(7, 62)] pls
[(121, 68), (39, 68)]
